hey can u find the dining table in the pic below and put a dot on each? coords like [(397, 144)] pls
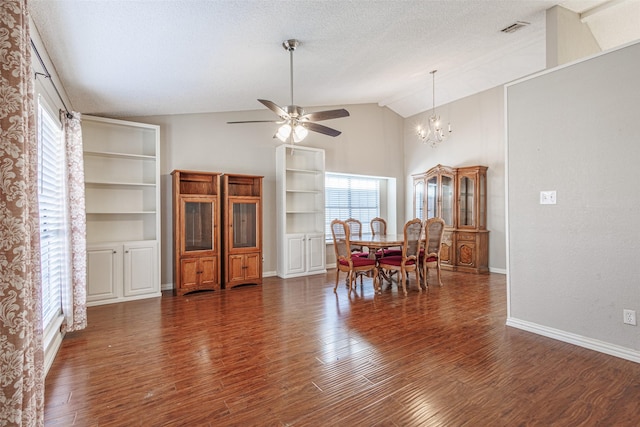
[(377, 241)]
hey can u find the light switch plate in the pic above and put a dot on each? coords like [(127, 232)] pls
[(548, 197)]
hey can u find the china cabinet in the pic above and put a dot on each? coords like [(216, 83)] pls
[(300, 211), (196, 231), (472, 237), (242, 229), (459, 197), (122, 196)]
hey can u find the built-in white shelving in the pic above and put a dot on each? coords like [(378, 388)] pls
[(300, 210), (122, 192)]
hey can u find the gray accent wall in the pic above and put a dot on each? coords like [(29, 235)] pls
[(574, 266)]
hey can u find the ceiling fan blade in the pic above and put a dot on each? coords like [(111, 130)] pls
[(325, 115), (320, 128), (256, 121), (274, 107)]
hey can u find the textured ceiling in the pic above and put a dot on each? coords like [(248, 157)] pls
[(137, 58)]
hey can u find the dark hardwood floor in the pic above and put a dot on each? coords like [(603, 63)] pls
[(291, 352)]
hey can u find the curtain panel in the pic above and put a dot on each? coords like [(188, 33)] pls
[(21, 352), (74, 304)]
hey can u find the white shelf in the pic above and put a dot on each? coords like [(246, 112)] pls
[(303, 191), (118, 184), (122, 213), (120, 155), (309, 171)]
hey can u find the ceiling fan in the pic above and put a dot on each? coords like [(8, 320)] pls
[(294, 120)]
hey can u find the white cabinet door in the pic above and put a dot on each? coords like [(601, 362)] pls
[(316, 252), (140, 268), (104, 272), (295, 254), (305, 253)]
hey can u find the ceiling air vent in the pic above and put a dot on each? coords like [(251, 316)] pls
[(514, 27)]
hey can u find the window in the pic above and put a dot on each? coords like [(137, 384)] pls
[(351, 196), (51, 203)]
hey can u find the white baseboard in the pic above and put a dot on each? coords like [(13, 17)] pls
[(579, 340)]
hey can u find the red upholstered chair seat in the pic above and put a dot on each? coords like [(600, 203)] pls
[(388, 252), (430, 258), (395, 260), (358, 261), (360, 254), (393, 252)]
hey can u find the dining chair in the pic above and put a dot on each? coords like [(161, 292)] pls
[(430, 254), (379, 227), (408, 261), (355, 228), (345, 260)]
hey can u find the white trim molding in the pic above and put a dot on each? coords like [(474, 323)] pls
[(579, 340)]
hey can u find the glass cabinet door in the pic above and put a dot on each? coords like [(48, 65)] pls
[(244, 233), (466, 215), (432, 197), (198, 225), (418, 199), (447, 200)]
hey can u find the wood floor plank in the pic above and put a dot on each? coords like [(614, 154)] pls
[(294, 353)]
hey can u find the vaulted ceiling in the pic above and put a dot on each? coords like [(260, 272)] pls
[(137, 58)]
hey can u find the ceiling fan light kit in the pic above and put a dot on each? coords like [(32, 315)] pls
[(434, 133), (295, 122)]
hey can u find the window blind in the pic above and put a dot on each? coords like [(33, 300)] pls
[(351, 196), (51, 204)]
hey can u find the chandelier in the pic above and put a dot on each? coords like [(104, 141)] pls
[(434, 134)]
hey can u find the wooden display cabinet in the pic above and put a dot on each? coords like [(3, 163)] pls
[(459, 197), (196, 235), (242, 235), (472, 237)]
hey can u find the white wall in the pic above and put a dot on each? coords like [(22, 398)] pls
[(573, 266), (370, 144), (568, 38), (477, 123)]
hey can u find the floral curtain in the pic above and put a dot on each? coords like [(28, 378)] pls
[(21, 352), (75, 300)]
